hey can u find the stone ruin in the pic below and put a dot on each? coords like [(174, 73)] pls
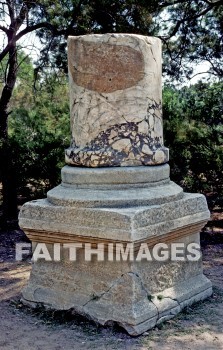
[(116, 190)]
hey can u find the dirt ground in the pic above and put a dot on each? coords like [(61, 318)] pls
[(197, 327)]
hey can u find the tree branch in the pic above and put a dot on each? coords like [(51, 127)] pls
[(207, 72), (5, 51), (167, 4), (202, 13), (33, 28), (22, 15), (11, 10), (4, 29), (209, 2), (26, 31), (214, 2)]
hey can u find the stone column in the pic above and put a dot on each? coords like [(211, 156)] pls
[(115, 101), (116, 190)]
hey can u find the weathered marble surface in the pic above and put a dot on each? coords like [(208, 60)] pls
[(116, 120), (111, 177), (115, 101), (122, 212), (136, 295)]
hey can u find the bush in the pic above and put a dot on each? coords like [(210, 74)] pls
[(193, 130), (39, 131)]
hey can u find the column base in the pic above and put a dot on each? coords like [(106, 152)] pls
[(137, 295)]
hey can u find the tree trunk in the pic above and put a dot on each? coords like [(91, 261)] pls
[(8, 174)]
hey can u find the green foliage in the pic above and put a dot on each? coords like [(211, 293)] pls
[(38, 133), (193, 127), (191, 30), (88, 17), (192, 33)]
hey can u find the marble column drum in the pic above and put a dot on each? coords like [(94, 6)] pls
[(115, 101)]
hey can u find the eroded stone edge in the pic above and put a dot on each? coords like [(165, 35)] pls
[(176, 304)]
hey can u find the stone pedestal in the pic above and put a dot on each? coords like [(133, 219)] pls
[(124, 196)]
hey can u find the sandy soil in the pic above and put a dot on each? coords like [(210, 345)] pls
[(197, 327)]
